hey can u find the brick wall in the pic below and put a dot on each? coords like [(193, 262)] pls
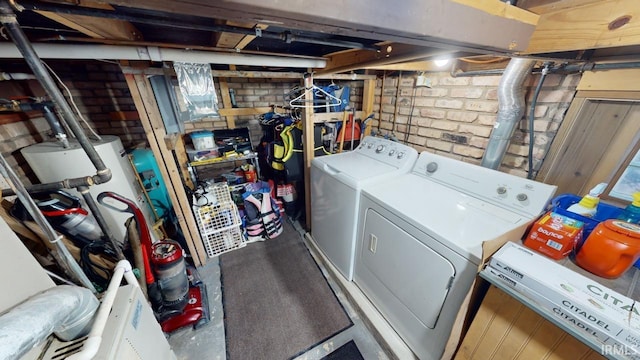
[(456, 115), (263, 93), (98, 88)]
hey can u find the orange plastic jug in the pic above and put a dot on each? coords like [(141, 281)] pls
[(611, 249)]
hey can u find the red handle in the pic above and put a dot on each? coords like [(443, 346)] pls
[(143, 229), (65, 212)]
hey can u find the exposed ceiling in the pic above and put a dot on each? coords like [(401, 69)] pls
[(350, 36)]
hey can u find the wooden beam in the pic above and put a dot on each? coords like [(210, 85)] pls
[(247, 39), (333, 116), (230, 40), (545, 6), (144, 100), (611, 80), (441, 23), (390, 54), (243, 111), (502, 9), (308, 124), (408, 66), (368, 97), (93, 26), (602, 24), (226, 102), (256, 74)]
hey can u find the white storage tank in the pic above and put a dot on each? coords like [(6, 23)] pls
[(51, 162)]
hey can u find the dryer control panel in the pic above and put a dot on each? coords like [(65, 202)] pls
[(387, 151), (505, 190)]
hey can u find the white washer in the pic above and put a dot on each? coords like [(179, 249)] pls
[(336, 181), (420, 241)]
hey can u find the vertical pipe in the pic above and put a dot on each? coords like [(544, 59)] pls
[(97, 214), (55, 125), (62, 255), (511, 107)]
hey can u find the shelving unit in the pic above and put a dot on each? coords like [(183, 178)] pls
[(170, 151), (194, 165)]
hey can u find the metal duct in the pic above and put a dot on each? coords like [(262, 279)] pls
[(64, 310), (511, 107)]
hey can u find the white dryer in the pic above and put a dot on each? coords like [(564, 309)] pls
[(336, 181), (420, 241)]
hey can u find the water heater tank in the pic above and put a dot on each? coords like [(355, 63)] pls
[(51, 162)]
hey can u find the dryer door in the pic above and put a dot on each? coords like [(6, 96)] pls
[(407, 280)]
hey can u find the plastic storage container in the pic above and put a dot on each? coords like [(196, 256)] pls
[(604, 212), (203, 154), (611, 249), (202, 140)]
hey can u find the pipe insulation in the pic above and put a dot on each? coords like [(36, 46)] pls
[(511, 107), (152, 53), (65, 310)]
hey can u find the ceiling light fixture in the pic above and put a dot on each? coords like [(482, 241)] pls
[(441, 62)]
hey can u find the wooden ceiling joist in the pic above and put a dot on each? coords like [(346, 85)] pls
[(389, 54), (592, 25), (100, 28), (237, 41)]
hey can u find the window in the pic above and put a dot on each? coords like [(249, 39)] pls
[(626, 180)]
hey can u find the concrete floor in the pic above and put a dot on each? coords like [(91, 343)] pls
[(208, 342)]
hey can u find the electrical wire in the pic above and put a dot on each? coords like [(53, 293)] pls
[(413, 103), (72, 101)]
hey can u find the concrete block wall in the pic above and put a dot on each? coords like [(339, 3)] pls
[(456, 115)]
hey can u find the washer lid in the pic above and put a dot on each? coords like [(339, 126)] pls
[(353, 166), (457, 220)]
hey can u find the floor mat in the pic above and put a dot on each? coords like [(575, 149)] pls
[(348, 351), (277, 303)]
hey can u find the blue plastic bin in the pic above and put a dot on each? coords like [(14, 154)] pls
[(604, 212)]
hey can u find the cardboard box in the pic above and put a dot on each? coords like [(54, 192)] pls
[(614, 314), (554, 235), (606, 342)]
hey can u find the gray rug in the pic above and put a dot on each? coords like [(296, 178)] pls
[(277, 303)]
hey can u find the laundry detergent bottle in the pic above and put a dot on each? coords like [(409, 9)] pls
[(588, 205), (632, 212)]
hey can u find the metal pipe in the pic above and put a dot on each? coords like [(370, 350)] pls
[(151, 53), (575, 68), (206, 24), (62, 255), (64, 310), (102, 223), (15, 76), (532, 112), (55, 125), (511, 107), (8, 19)]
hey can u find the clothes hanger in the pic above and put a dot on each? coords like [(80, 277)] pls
[(300, 102)]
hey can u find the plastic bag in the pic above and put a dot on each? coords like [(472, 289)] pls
[(198, 91)]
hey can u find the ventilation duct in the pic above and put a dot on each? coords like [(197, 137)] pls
[(64, 310), (511, 108)]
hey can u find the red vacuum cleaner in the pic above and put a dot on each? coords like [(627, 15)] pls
[(175, 290)]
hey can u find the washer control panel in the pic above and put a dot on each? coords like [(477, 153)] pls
[(506, 190), (387, 151)]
